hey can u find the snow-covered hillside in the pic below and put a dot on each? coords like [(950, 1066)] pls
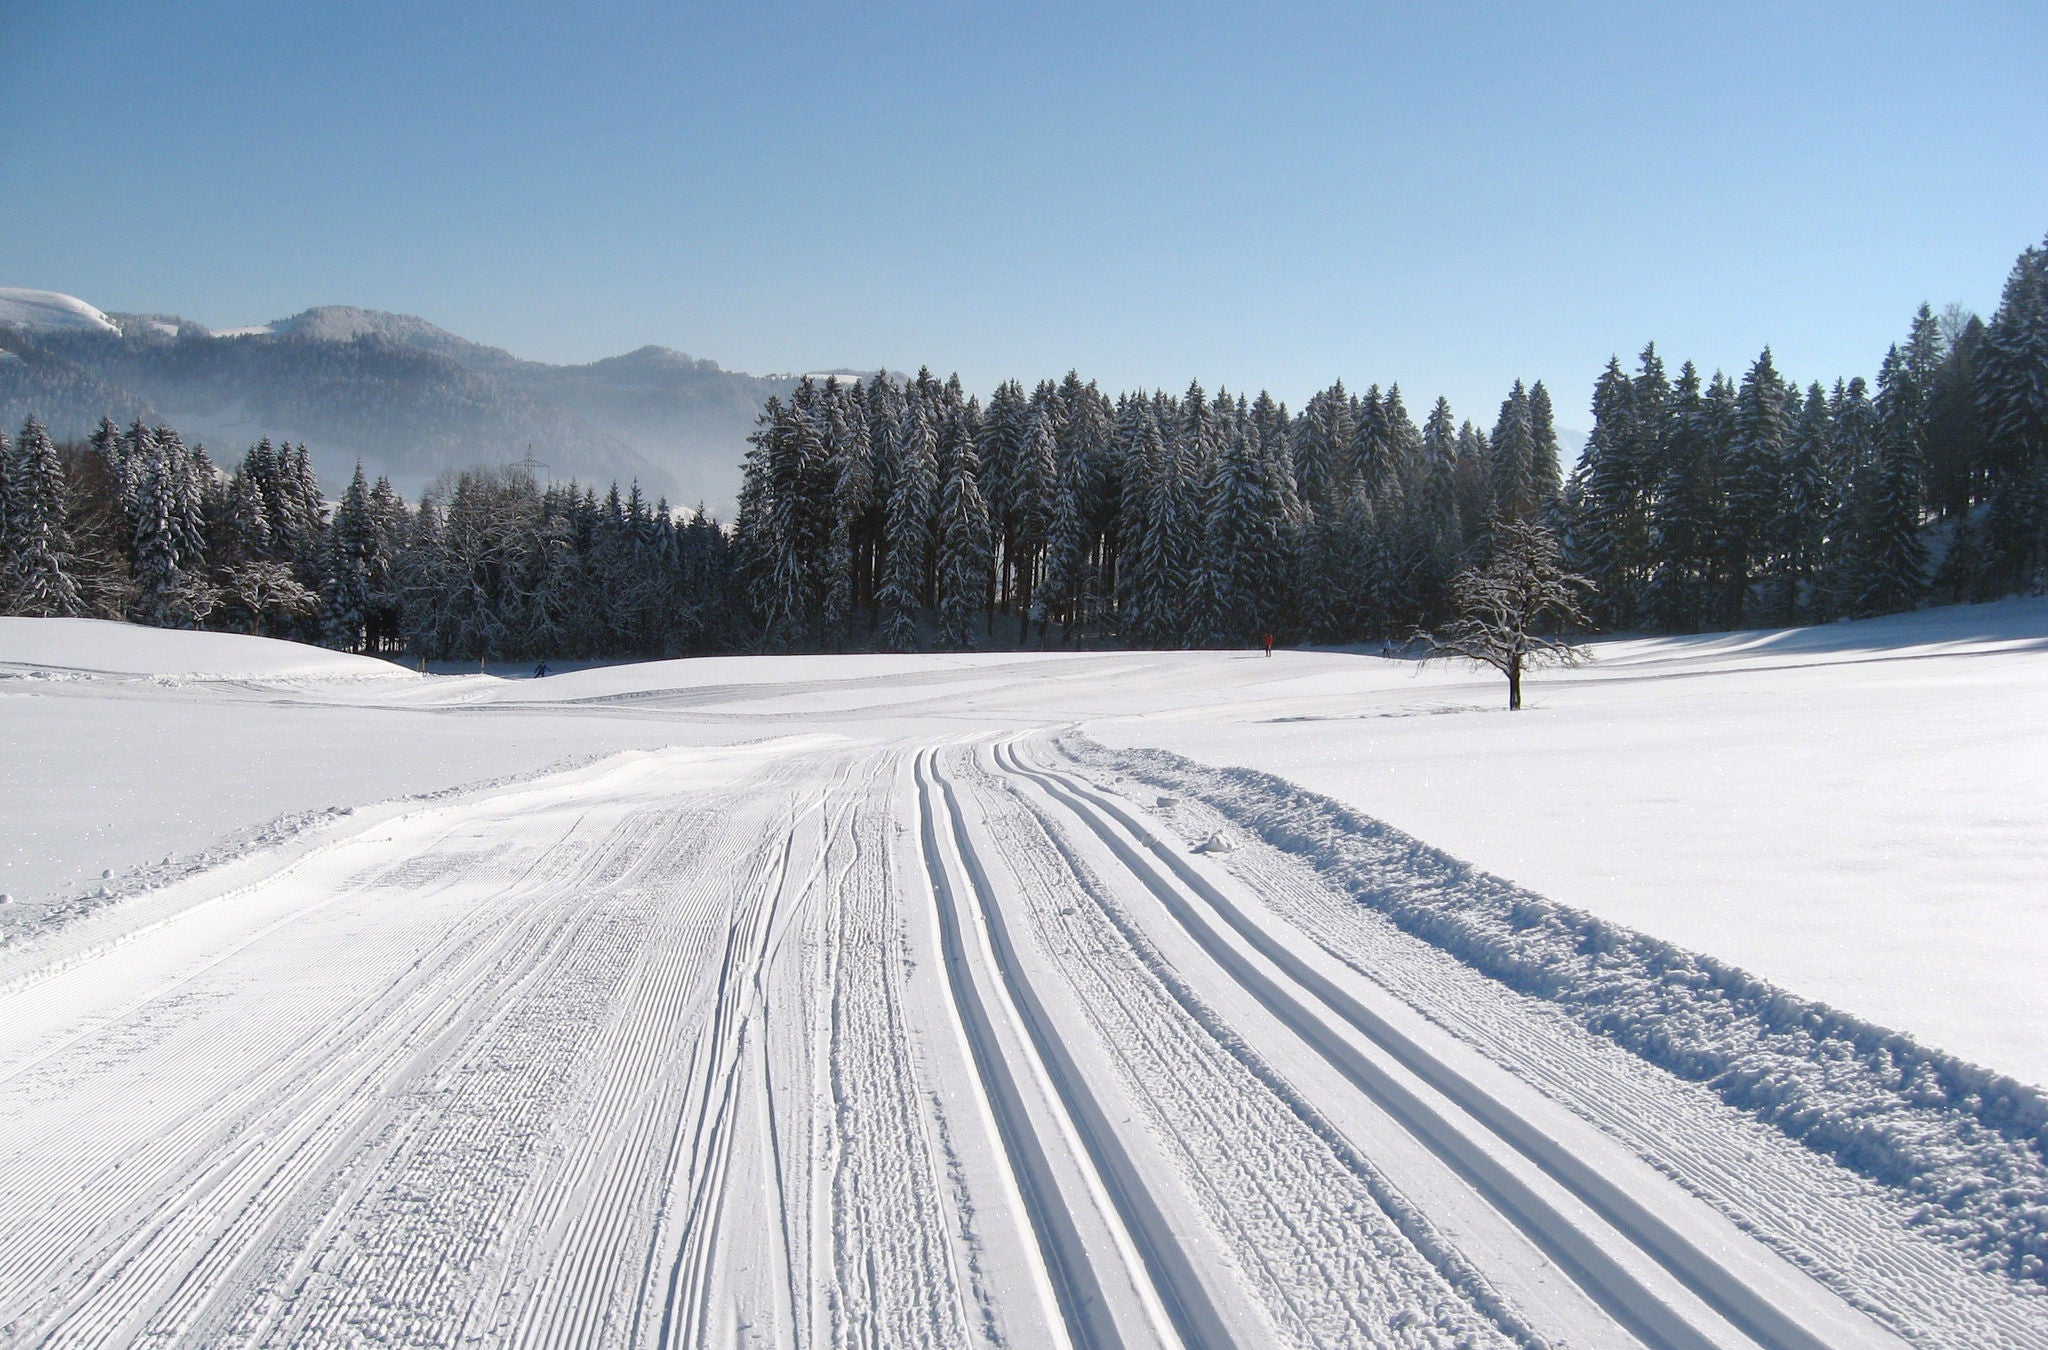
[(50, 310), (929, 1001)]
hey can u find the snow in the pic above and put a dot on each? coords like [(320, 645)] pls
[(58, 647), (830, 999), (50, 309), (1853, 812)]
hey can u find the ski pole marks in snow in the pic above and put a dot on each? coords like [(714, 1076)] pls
[(821, 1043)]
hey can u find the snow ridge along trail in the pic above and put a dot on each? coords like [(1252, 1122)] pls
[(1603, 1218)]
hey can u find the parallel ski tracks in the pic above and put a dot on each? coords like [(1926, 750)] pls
[(1459, 1121), (886, 1045)]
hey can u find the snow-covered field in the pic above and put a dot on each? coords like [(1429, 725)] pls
[(910, 1001)]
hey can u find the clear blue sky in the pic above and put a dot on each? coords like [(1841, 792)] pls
[(1449, 196)]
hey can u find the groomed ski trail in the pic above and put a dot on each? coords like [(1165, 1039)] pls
[(1665, 1268), (906, 1042)]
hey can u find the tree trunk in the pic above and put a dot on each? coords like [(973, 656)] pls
[(1514, 682)]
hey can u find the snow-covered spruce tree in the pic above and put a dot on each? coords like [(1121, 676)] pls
[(345, 581), (1033, 486), (999, 447), (170, 592), (784, 520), (1754, 474), (853, 486), (1611, 540), (1546, 468), (752, 546), (1194, 428), (1955, 426), (965, 544), (1684, 510), (1433, 522), (1152, 587), (1808, 502), (420, 577), (1066, 578), (1888, 558), (35, 546), (885, 410), (2012, 400), (246, 530), (562, 599), (1507, 610), (1851, 458), (909, 526), (1474, 483), (1513, 467), (1322, 438), (1243, 561), (9, 490), (388, 513)]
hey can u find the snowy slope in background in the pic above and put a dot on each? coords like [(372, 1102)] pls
[(1852, 812), (50, 310), (101, 647)]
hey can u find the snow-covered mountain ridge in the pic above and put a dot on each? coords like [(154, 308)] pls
[(408, 397), (51, 310)]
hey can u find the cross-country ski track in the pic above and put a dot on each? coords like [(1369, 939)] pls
[(924, 1035)]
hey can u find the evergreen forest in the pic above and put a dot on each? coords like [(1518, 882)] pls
[(910, 515)]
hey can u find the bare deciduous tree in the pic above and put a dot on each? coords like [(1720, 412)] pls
[(1507, 608)]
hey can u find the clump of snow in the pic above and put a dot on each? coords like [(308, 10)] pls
[(51, 309), (99, 646), (1900, 1113)]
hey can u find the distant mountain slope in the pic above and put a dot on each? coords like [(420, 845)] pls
[(411, 399), (50, 310), (685, 414)]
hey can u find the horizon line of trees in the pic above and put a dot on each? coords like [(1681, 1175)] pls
[(879, 514), (136, 525), (892, 515)]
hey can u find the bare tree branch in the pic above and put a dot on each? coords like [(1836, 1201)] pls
[(1505, 608)]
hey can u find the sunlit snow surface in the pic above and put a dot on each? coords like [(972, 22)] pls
[(50, 309), (870, 1000), (1858, 812)]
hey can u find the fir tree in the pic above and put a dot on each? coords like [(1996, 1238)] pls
[(36, 562), (1756, 462), (1610, 541), (346, 576), (964, 544), (169, 593), (1243, 562), (1808, 501), (911, 503), (1153, 586), (853, 483), (1888, 556), (1546, 472), (2012, 400), (1512, 470)]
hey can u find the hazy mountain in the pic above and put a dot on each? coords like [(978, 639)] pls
[(411, 399)]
